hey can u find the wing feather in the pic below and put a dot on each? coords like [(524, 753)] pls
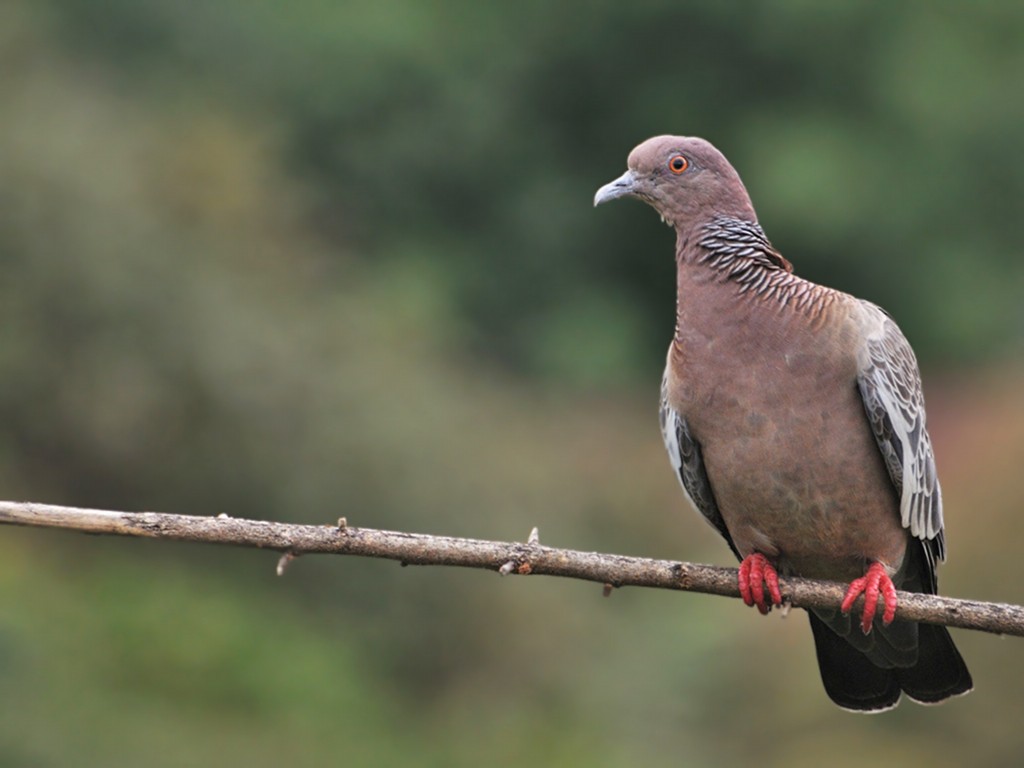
[(890, 386), (685, 455)]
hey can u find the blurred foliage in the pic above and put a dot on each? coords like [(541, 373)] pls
[(296, 261), (468, 140)]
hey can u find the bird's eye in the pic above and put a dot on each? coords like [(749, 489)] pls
[(678, 163)]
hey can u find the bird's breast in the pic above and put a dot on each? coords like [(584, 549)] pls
[(788, 450)]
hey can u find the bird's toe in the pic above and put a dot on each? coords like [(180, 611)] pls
[(756, 573), (873, 585)]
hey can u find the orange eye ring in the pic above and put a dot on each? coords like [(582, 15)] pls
[(678, 163)]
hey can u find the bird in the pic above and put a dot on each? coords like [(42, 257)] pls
[(794, 418)]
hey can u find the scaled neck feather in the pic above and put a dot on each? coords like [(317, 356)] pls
[(738, 252), (738, 247)]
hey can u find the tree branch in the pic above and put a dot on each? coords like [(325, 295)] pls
[(504, 557)]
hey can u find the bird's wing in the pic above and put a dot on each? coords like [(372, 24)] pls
[(684, 453), (890, 385)]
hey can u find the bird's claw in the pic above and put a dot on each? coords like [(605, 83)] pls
[(872, 584), (756, 573)]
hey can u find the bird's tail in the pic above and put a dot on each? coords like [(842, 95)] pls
[(940, 671), (854, 682)]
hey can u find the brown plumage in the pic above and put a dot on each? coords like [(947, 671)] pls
[(794, 418)]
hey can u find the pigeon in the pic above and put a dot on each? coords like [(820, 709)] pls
[(794, 418)]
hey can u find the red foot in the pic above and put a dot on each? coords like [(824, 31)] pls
[(875, 581), (756, 573)]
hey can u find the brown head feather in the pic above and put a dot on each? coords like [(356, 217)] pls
[(706, 187)]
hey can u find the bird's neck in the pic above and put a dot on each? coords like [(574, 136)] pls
[(734, 247), (727, 267)]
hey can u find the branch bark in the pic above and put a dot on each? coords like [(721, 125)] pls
[(504, 557)]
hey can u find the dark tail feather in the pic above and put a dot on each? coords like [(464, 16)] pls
[(850, 679), (853, 682), (940, 671)]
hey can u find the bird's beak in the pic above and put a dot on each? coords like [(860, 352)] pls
[(622, 186)]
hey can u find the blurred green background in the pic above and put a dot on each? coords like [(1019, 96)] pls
[(300, 260)]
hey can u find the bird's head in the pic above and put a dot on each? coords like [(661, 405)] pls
[(685, 179)]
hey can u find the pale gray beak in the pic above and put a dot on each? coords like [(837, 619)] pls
[(622, 186)]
